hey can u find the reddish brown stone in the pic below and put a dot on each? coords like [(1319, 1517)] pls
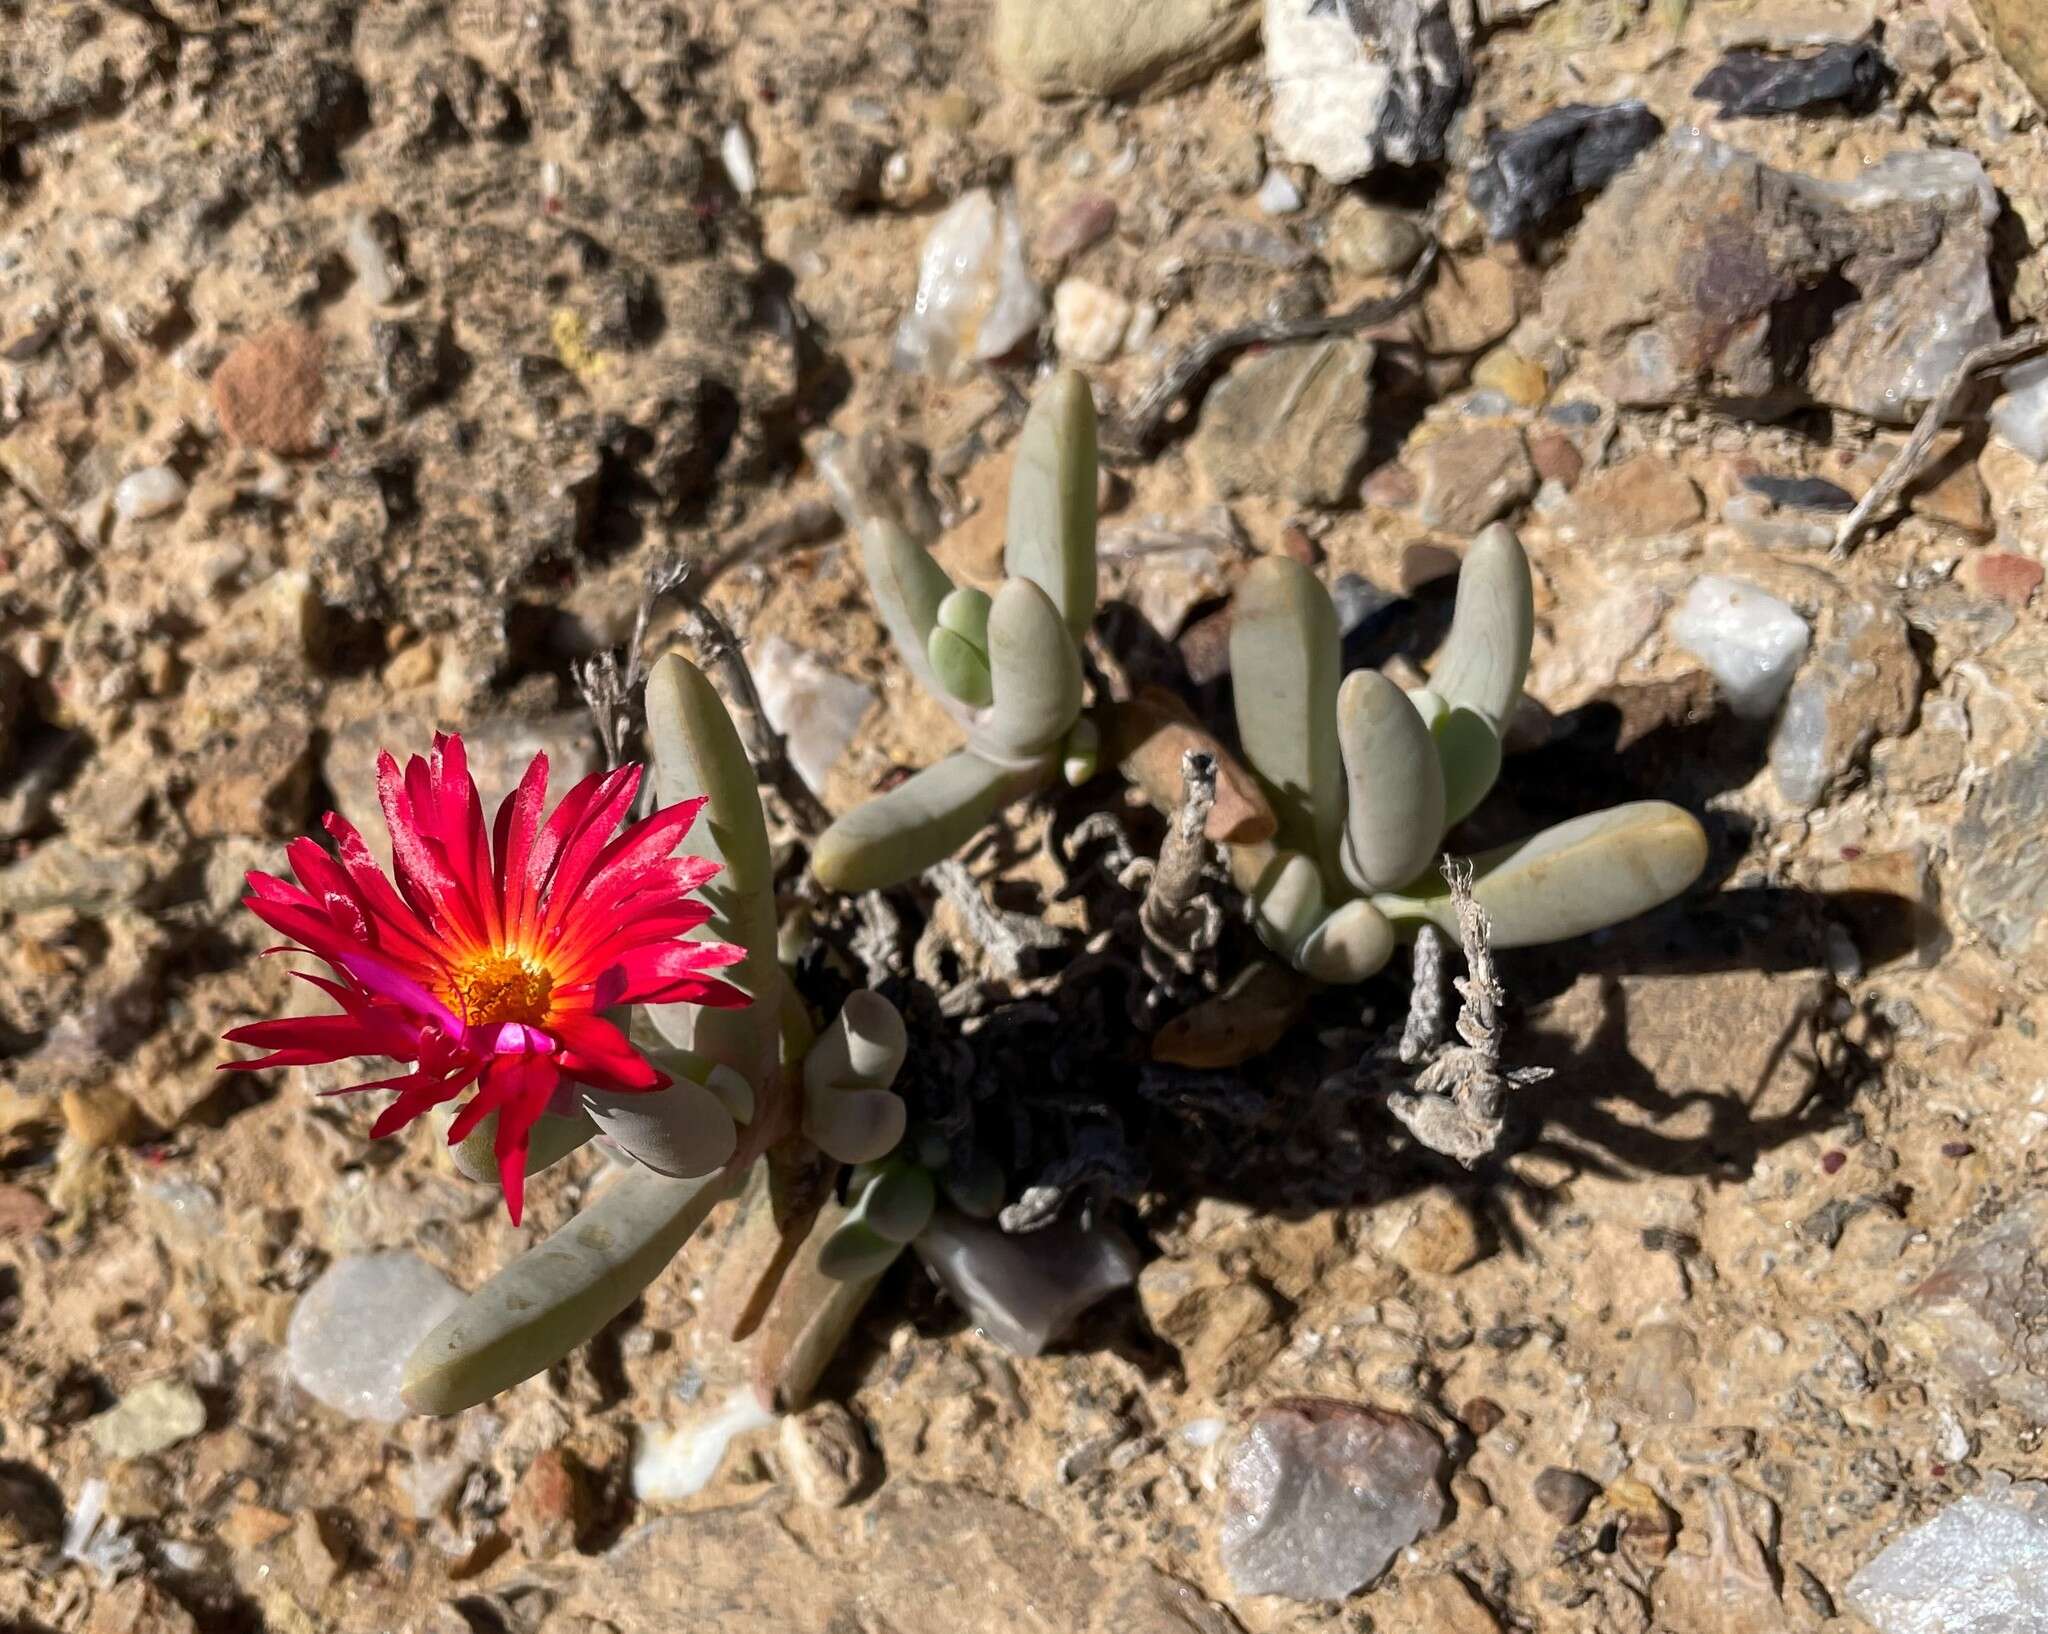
[(269, 390), (1555, 458), (2004, 575), (21, 1211)]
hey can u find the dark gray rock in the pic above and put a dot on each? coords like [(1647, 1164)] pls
[(1747, 83), (1531, 173), (2002, 846)]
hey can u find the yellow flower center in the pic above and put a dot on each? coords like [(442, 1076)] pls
[(502, 986)]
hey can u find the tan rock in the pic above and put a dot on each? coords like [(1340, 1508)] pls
[(100, 1116), (827, 1454), (1227, 1329), (1057, 48), (1470, 476), (1440, 1237), (1637, 499)]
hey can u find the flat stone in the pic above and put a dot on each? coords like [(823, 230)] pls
[(1732, 264), (149, 1419), (258, 783), (1982, 1316), (1319, 1496), (1291, 422), (1564, 1493), (2019, 29), (1978, 1567), (2003, 575), (551, 1504), (1226, 1329), (917, 1558), (2001, 851), (1655, 1385), (353, 1329), (1055, 48), (1026, 1290), (817, 709), (1468, 478), (1347, 104), (1861, 684), (1640, 498)]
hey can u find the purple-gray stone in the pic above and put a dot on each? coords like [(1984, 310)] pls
[(1321, 1495)]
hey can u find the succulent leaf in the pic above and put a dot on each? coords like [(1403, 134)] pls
[(1051, 532), (849, 1112), (557, 1296), (923, 820), (855, 1252), (683, 1130), (1284, 662), (1394, 816), (1580, 876), (1288, 902), (1035, 670), (551, 1139), (1485, 658), (1468, 751), (960, 668), (894, 1200), (697, 751), (1353, 943), (909, 588), (965, 612)]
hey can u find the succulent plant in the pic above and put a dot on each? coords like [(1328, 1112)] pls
[(1366, 779), (1007, 667), (745, 1081)]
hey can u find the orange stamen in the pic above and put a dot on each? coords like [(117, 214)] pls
[(501, 985)]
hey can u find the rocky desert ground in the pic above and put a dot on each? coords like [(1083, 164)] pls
[(360, 360)]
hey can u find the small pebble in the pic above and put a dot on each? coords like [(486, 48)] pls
[(153, 491), (1278, 196), (736, 153), (827, 1454), (150, 1418), (1564, 1493)]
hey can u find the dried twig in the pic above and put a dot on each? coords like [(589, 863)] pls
[(1458, 1106), (2022, 344), (768, 749), (1177, 920), (808, 522), (1427, 1025), (1003, 938), (1136, 435)]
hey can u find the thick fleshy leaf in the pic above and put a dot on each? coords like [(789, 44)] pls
[(894, 1200), (1353, 943), (1051, 529), (556, 1297), (1288, 902), (812, 1309), (909, 588), (965, 612), (1468, 752), (1485, 658), (960, 668), (924, 820), (552, 1139), (850, 1114), (1284, 663), (682, 1130), (1394, 813), (696, 751), (1580, 876), (1035, 671)]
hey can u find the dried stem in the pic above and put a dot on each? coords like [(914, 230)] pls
[(1458, 1106), (1136, 435), (1427, 1025), (1170, 916), (2023, 344), (720, 650)]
